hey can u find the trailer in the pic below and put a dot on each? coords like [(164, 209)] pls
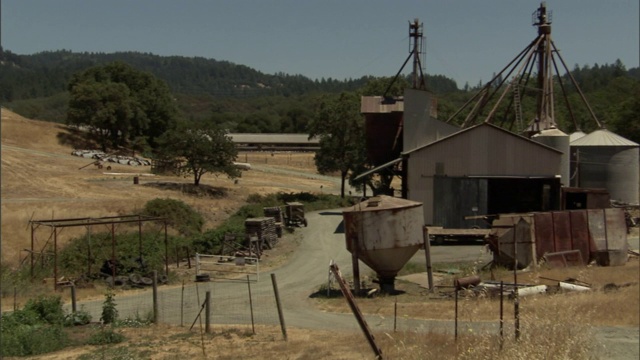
[(438, 235), (294, 214)]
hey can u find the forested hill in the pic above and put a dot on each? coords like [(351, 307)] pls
[(243, 99), (47, 73)]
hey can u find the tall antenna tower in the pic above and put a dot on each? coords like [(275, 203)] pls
[(417, 40), (416, 51)]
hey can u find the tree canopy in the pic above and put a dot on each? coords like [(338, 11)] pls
[(118, 103), (199, 149), (340, 127)]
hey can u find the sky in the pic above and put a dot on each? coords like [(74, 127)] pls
[(466, 40)]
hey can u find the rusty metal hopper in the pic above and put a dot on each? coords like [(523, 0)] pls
[(384, 232)]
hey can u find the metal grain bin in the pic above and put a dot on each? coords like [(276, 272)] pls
[(558, 140), (384, 232), (606, 160)]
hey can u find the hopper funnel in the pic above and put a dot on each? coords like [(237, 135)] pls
[(384, 232)]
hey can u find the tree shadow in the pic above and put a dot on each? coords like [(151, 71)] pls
[(364, 293), (76, 138)]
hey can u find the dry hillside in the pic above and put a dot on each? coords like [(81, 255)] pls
[(42, 180)]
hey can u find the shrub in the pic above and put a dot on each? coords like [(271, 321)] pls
[(109, 310), (35, 329), (78, 318), (106, 336), (47, 308), (26, 340), (179, 215)]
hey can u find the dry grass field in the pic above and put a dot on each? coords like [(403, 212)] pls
[(41, 180)]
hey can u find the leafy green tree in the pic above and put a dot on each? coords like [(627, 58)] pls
[(340, 127), (378, 86), (627, 123), (119, 103), (199, 150)]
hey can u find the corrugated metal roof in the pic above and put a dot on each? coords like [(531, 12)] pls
[(378, 104), (273, 139), (603, 137), (553, 131), (576, 135), (475, 127)]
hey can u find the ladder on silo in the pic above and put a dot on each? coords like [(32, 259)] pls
[(517, 106)]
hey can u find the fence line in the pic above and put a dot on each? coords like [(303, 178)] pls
[(238, 303)]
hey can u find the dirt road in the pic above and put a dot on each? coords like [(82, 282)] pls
[(307, 269)]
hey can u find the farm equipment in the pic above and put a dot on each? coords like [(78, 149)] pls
[(294, 214)]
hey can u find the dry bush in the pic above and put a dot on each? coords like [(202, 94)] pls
[(561, 333)]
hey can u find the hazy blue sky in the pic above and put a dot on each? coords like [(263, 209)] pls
[(467, 40)]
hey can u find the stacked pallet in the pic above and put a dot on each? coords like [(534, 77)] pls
[(264, 228), (275, 213)]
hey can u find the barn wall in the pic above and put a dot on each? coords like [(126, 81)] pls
[(479, 151)]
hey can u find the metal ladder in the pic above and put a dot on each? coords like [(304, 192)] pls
[(517, 106)]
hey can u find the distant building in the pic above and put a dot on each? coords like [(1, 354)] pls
[(275, 142)]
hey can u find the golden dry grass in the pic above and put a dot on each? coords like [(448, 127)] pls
[(620, 307), (41, 180), (547, 337)]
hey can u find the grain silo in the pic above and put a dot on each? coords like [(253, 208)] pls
[(555, 138), (575, 136), (603, 159)]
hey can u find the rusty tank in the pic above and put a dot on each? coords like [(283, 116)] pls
[(384, 233)]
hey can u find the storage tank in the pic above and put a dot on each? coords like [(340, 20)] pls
[(575, 136), (606, 160), (555, 138), (384, 232)]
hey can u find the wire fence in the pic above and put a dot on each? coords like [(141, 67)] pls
[(242, 303)]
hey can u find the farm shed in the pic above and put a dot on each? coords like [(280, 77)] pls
[(481, 170), (275, 142)]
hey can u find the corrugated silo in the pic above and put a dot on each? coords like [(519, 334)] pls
[(555, 138), (606, 160), (575, 136)]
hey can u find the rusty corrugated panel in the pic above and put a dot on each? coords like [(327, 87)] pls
[(561, 230), (580, 234), (616, 229), (597, 228), (544, 233)]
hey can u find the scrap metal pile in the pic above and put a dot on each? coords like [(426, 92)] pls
[(117, 159)]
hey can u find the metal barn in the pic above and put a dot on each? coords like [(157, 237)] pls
[(482, 170)]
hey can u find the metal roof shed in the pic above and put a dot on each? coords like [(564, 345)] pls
[(483, 169)]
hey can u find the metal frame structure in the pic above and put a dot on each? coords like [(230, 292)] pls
[(55, 224), (543, 51)]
